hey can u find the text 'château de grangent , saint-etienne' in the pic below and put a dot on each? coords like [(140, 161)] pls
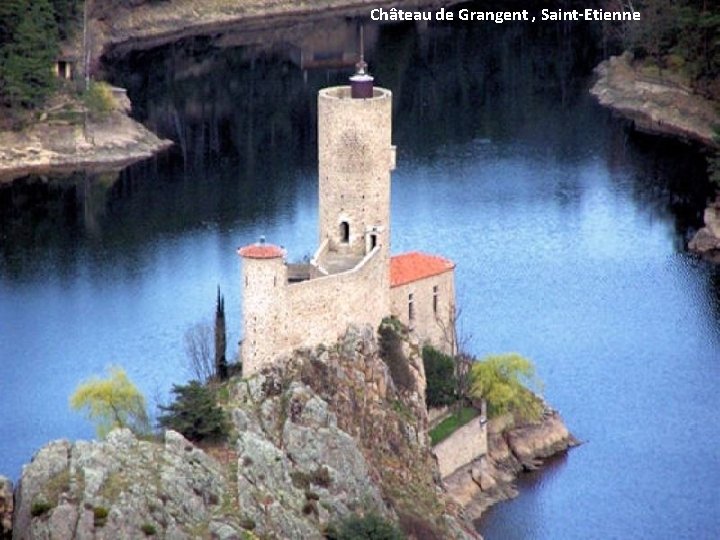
[(393, 14)]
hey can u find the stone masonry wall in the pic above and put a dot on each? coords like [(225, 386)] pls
[(429, 324), (280, 317), (355, 157), (462, 447)]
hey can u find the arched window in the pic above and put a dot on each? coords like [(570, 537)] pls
[(344, 232)]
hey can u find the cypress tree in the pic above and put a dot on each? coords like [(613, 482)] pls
[(221, 370), (26, 60)]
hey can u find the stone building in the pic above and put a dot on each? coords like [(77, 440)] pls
[(352, 278)]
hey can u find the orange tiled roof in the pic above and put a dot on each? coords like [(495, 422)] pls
[(261, 251), (413, 266)]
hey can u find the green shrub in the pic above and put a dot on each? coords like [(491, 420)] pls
[(100, 514), (440, 375), (195, 413), (321, 477), (149, 529), (99, 99), (368, 527), (39, 508), (391, 351)]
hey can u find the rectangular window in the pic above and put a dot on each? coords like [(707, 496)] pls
[(435, 299), (411, 307)]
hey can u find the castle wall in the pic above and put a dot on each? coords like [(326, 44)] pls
[(429, 324), (355, 159), (281, 319)]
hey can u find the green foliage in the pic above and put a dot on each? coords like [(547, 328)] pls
[(27, 55), (503, 381), (148, 529), (195, 413), (440, 375), (100, 514), (391, 351), (112, 402), (368, 527), (99, 99), (682, 35), (40, 507), (450, 424), (713, 169)]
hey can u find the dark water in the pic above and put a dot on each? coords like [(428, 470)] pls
[(568, 233)]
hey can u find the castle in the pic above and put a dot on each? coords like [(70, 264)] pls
[(351, 279)]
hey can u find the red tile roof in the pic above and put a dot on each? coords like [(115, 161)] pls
[(414, 266), (261, 251)]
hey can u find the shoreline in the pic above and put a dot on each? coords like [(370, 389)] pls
[(511, 450), (655, 104), (47, 148)]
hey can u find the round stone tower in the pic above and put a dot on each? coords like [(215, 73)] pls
[(356, 156), (264, 277)]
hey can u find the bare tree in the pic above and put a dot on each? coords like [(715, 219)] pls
[(199, 351), (456, 341)]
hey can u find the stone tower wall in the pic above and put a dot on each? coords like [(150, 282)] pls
[(356, 157), (263, 285)]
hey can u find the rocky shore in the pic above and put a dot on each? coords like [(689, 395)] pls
[(656, 103), (511, 450), (111, 141), (706, 241)]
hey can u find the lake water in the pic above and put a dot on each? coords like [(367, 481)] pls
[(569, 236)]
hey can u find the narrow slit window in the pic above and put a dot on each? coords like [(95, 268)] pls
[(435, 299), (345, 232), (411, 307)]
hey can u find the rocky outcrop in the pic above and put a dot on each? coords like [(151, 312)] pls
[(116, 140), (315, 437), (511, 449), (706, 241), (655, 103), (6, 507)]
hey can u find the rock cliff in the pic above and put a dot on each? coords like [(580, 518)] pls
[(655, 103), (6, 507), (324, 433)]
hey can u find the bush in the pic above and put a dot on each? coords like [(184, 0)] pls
[(440, 375), (391, 351), (38, 508), (368, 527), (195, 413), (99, 99), (100, 515), (149, 529)]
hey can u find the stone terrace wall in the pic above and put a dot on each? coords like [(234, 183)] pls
[(462, 447)]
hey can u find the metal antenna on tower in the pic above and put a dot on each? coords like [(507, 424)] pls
[(361, 66)]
